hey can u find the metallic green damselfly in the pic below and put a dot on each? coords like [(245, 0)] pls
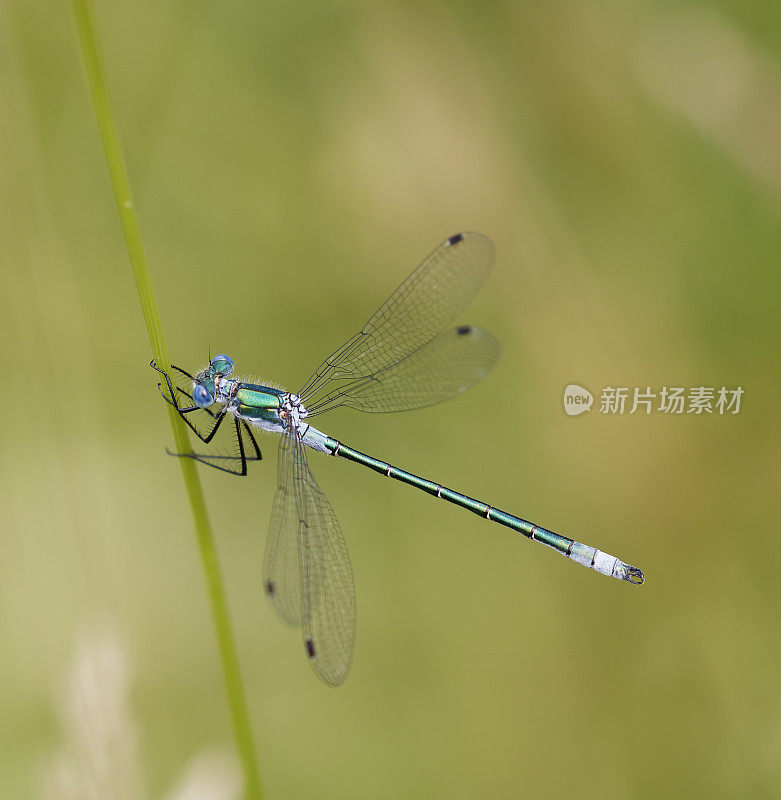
[(407, 356)]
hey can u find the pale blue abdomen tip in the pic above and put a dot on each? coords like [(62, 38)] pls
[(605, 563)]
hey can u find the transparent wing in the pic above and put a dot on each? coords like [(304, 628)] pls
[(327, 589), (449, 364), (428, 300), (281, 571), (307, 574)]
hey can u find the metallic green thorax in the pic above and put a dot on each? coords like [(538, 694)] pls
[(259, 402)]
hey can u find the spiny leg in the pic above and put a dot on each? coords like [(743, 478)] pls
[(258, 455), (239, 462), (183, 411)]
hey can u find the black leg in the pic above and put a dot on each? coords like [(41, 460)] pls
[(172, 400), (257, 454), (184, 372), (235, 465), (209, 436), (217, 424), (241, 446)]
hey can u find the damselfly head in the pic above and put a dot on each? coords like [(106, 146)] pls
[(205, 388)]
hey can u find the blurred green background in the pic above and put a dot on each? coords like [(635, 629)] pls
[(292, 162)]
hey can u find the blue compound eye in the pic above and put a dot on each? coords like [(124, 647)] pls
[(201, 396), (222, 364)]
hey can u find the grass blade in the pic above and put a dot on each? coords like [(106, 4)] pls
[(98, 84)]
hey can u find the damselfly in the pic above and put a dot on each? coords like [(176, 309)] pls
[(407, 356)]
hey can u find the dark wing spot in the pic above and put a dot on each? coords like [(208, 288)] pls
[(463, 330), (270, 588), (459, 237), (310, 648)]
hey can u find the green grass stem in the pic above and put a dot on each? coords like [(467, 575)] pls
[(98, 84)]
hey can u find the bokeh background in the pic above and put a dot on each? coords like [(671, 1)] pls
[(292, 162)]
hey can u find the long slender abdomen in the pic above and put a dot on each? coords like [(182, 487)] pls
[(580, 553)]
